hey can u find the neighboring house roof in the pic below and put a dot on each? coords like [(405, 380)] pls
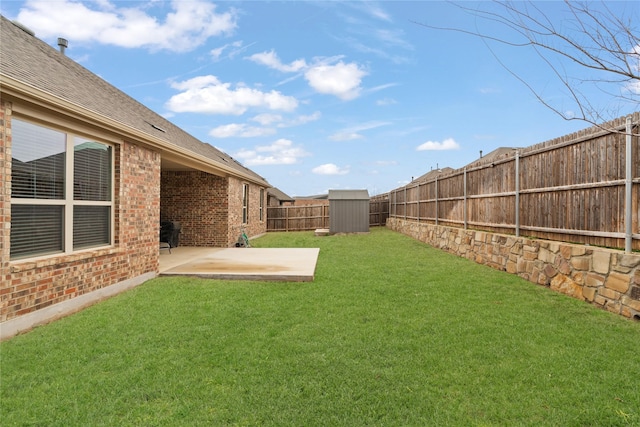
[(348, 195), (432, 174), (274, 192), (495, 155), (31, 69), (316, 197)]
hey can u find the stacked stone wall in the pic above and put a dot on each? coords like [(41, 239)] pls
[(607, 278)]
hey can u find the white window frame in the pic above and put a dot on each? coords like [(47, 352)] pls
[(261, 204), (68, 201), (245, 203)]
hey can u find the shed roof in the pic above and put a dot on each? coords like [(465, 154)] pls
[(348, 195), (32, 70)]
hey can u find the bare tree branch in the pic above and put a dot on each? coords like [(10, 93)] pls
[(596, 39)]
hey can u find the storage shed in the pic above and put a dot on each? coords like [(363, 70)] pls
[(348, 211)]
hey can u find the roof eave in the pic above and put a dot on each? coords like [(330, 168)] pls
[(29, 93)]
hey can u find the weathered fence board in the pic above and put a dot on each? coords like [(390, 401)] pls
[(297, 218), (570, 189), (313, 217)]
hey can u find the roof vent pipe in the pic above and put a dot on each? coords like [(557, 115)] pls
[(63, 43)]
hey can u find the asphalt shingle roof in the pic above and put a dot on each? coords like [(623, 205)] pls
[(29, 60)]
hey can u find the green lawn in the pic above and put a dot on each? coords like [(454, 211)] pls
[(390, 333)]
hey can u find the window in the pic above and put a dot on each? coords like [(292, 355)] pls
[(245, 203), (262, 204), (61, 191)]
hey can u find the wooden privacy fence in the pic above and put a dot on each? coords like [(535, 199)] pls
[(313, 217), (378, 211), (297, 218), (582, 188)]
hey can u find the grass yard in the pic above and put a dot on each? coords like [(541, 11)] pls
[(390, 333)]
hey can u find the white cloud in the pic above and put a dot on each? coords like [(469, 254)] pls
[(271, 60), (301, 120), (206, 94), (345, 136), (267, 119), (233, 49), (330, 169), (354, 132), (447, 144), (633, 86), (281, 122), (268, 122), (392, 38), (386, 101), (240, 130), (386, 162), (188, 25), (281, 152), (323, 74), (342, 80)]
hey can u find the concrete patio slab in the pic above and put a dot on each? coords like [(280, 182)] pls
[(280, 264)]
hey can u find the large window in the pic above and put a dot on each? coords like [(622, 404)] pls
[(61, 191), (245, 203)]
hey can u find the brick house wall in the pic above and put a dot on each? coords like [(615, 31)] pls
[(37, 283), (199, 202), (209, 207), (254, 226)]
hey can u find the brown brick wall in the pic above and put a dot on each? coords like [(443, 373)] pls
[(199, 202), (208, 207), (254, 226), (30, 285)]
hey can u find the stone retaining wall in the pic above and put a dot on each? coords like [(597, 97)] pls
[(604, 277)]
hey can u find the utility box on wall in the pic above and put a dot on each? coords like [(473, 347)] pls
[(348, 211)]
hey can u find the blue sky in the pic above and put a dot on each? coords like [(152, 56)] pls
[(323, 95)]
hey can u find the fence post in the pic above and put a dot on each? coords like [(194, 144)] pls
[(405, 202), (628, 215), (464, 204), (436, 199), (286, 218), (418, 202), (517, 201)]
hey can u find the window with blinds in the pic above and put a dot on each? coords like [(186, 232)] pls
[(245, 203), (61, 190), (38, 162)]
